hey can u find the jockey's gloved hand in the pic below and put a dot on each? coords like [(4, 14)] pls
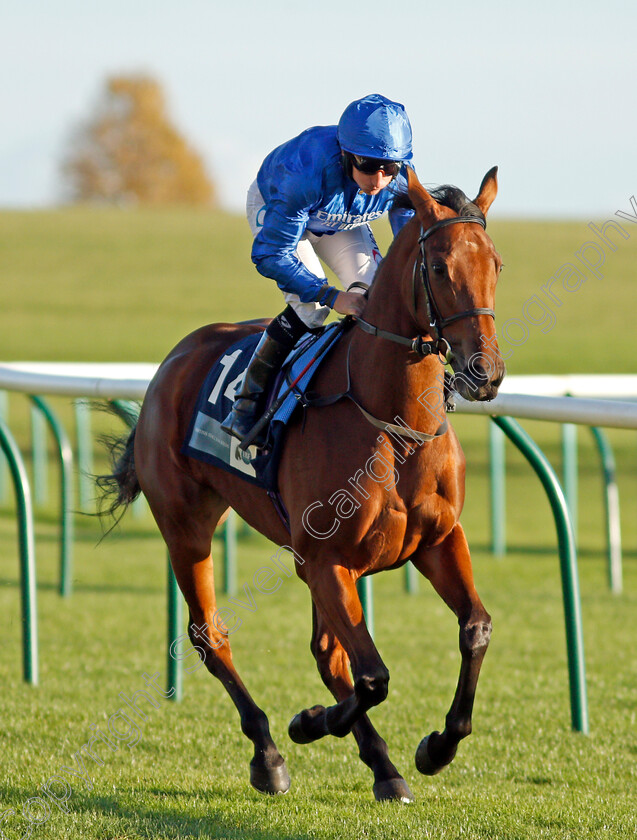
[(349, 303)]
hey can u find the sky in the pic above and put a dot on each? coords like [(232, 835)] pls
[(545, 90)]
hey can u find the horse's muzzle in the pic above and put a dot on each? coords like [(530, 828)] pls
[(477, 383)]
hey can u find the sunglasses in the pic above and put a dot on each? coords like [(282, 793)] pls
[(370, 166)]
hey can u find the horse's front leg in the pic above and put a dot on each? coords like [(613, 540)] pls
[(333, 589), (448, 567), (333, 666)]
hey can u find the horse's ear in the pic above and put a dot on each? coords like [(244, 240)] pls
[(426, 206), (488, 190)]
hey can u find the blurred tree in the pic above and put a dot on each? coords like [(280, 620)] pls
[(129, 152)]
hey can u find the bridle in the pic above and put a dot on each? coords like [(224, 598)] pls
[(439, 345)]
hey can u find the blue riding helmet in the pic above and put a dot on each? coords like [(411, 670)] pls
[(375, 127)]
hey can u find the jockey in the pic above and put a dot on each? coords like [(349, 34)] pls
[(314, 196)]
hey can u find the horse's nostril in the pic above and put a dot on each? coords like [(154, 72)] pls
[(479, 373)]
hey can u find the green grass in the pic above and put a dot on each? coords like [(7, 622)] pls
[(521, 774), (105, 285)]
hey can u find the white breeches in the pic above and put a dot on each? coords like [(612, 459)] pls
[(352, 255)]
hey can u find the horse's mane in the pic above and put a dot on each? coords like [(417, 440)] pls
[(448, 196)]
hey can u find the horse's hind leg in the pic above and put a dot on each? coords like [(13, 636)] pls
[(333, 666), (187, 525), (448, 567)]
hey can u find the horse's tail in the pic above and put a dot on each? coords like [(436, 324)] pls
[(120, 487)]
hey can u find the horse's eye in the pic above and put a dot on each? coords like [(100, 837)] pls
[(438, 267)]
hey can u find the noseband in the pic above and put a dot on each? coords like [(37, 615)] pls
[(440, 345)]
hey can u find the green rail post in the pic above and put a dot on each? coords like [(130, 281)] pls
[(366, 595), (611, 504), (411, 578), (65, 453), (85, 464), (175, 623), (128, 411), (569, 470), (26, 544), (140, 507), (568, 568), (39, 457), (4, 475), (497, 488), (229, 537)]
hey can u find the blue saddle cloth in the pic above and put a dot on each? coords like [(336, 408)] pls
[(206, 440)]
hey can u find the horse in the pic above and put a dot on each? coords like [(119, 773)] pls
[(431, 303)]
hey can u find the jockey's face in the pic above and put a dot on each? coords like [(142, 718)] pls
[(371, 184)]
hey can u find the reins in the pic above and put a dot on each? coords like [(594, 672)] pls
[(419, 345), (309, 399)]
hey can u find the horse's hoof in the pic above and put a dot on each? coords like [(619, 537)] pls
[(393, 790), (296, 729), (270, 780), (424, 763)]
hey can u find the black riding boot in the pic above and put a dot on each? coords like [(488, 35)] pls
[(270, 353)]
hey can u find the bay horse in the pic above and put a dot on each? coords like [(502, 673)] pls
[(437, 283)]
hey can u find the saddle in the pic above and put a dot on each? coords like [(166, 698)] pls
[(206, 441)]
